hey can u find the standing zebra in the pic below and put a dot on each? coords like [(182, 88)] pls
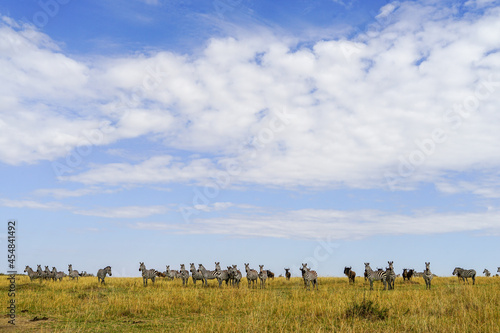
[(262, 277), (464, 274), (372, 275), (252, 275), (146, 274), (390, 275), (40, 272), (351, 275), (309, 276), (486, 273), (222, 275), (171, 274), (195, 275), (428, 275), (57, 275), (208, 275), (72, 273), (236, 275), (287, 273), (101, 274), (33, 275), (50, 274), (184, 275)]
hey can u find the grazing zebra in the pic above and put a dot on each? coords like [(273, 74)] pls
[(464, 274), (378, 275), (390, 275), (32, 274), (252, 275), (101, 274), (184, 273), (195, 275), (146, 274), (309, 276), (262, 277), (428, 275), (208, 275), (486, 273), (72, 273), (351, 275), (287, 273)]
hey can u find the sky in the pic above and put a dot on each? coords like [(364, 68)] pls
[(332, 132)]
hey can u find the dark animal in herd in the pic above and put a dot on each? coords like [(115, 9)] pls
[(350, 274), (407, 274), (288, 275)]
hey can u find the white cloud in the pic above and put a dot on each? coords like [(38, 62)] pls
[(355, 113), (127, 212), (317, 224)]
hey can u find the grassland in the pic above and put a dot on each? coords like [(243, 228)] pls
[(124, 305)]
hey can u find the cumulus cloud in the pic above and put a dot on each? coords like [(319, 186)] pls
[(409, 100)]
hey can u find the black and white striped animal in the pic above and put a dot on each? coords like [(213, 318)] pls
[(236, 275), (262, 276), (32, 274), (428, 275), (58, 275), (195, 275), (351, 275), (222, 275), (72, 273), (288, 275), (40, 272), (208, 275), (147, 274), (390, 275), (252, 275), (184, 274), (171, 274), (464, 274), (101, 274), (378, 275), (309, 276), (486, 273)]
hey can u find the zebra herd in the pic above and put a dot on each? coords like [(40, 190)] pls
[(232, 275), (59, 275)]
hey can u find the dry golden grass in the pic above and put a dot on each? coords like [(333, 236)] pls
[(125, 305)]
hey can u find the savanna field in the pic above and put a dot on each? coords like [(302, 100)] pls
[(124, 305)]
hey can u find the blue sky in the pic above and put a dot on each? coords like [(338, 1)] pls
[(330, 132)]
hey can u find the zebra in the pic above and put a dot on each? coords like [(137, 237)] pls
[(486, 273), (418, 274), (464, 274), (184, 275), (101, 274), (50, 274), (41, 273), (72, 273), (428, 275), (351, 275), (171, 274), (252, 275), (208, 275), (262, 277), (57, 275), (390, 275), (288, 274), (146, 274), (32, 274), (222, 275), (309, 276), (195, 275), (375, 276), (236, 275)]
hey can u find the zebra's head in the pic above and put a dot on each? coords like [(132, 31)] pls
[(304, 268), (108, 270), (261, 268), (217, 266), (27, 269), (141, 266), (498, 269), (183, 268), (70, 267), (391, 264), (191, 267), (456, 270)]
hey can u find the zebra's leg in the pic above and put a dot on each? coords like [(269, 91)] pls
[(473, 279)]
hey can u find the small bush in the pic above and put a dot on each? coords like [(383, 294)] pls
[(367, 310)]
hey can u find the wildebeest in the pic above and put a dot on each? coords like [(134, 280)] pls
[(407, 274), (270, 274), (287, 273), (350, 273)]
